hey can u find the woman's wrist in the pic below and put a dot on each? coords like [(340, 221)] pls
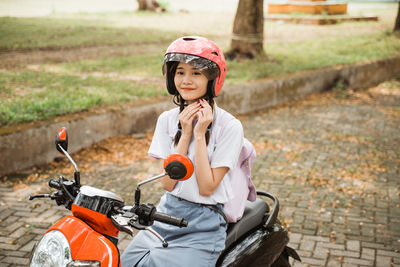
[(186, 134), (199, 132), (199, 136)]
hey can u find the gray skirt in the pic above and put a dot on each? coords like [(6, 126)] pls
[(199, 244)]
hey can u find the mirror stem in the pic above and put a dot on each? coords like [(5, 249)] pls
[(137, 192), (77, 177), (69, 157), (137, 197), (151, 179)]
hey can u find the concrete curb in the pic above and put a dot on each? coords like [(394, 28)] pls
[(25, 148)]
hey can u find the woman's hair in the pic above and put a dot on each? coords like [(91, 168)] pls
[(179, 101)]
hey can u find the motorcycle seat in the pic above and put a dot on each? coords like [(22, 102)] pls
[(253, 216)]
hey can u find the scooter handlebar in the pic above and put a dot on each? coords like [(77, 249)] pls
[(53, 183), (165, 218)]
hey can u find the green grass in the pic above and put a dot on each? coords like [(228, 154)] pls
[(282, 58), (53, 33), (144, 65), (298, 56), (29, 95)]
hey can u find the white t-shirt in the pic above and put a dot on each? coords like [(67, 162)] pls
[(223, 151)]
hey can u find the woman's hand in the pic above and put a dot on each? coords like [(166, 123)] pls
[(186, 118), (205, 117)]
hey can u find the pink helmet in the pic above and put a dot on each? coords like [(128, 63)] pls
[(200, 52)]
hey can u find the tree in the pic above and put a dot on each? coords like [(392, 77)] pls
[(397, 23), (248, 30), (151, 5)]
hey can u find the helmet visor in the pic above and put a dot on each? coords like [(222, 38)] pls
[(207, 67)]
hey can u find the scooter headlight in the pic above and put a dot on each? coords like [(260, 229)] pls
[(53, 250)]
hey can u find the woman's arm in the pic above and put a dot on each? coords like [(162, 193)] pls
[(186, 119), (207, 179)]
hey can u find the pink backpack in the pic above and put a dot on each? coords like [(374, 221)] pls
[(240, 179)]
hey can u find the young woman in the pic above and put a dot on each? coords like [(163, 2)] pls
[(195, 70)]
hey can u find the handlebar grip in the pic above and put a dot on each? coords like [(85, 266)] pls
[(165, 218), (53, 183)]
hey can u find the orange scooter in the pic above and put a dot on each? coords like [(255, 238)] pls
[(89, 237)]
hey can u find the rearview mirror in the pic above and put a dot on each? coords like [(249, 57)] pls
[(178, 167), (62, 140)]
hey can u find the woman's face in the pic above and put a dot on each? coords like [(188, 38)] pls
[(190, 82)]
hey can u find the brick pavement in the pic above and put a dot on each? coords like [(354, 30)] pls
[(333, 164)]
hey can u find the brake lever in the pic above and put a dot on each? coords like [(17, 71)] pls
[(122, 223), (51, 196)]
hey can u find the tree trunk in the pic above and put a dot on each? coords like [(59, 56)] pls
[(151, 5), (397, 23), (248, 30)]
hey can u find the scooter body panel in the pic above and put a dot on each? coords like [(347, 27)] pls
[(86, 244), (100, 222), (259, 248)]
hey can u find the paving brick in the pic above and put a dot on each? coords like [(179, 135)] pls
[(368, 231), (316, 238), (331, 246), (361, 238), (5, 188), (321, 218), (8, 240), (293, 245), (28, 247), (48, 213), (304, 253), (302, 231), (312, 225), (353, 245), (345, 253), (383, 261), (8, 246), (388, 253), (300, 264), (339, 219), (16, 260), (25, 239), (26, 214), (312, 261), (355, 261), (307, 245), (8, 222), (321, 253), (14, 226), (18, 233), (295, 237), (333, 262), (20, 207), (42, 208), (5, 214), (368, 254), (13, 253)]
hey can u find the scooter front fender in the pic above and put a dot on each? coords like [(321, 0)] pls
[(87, 244)]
